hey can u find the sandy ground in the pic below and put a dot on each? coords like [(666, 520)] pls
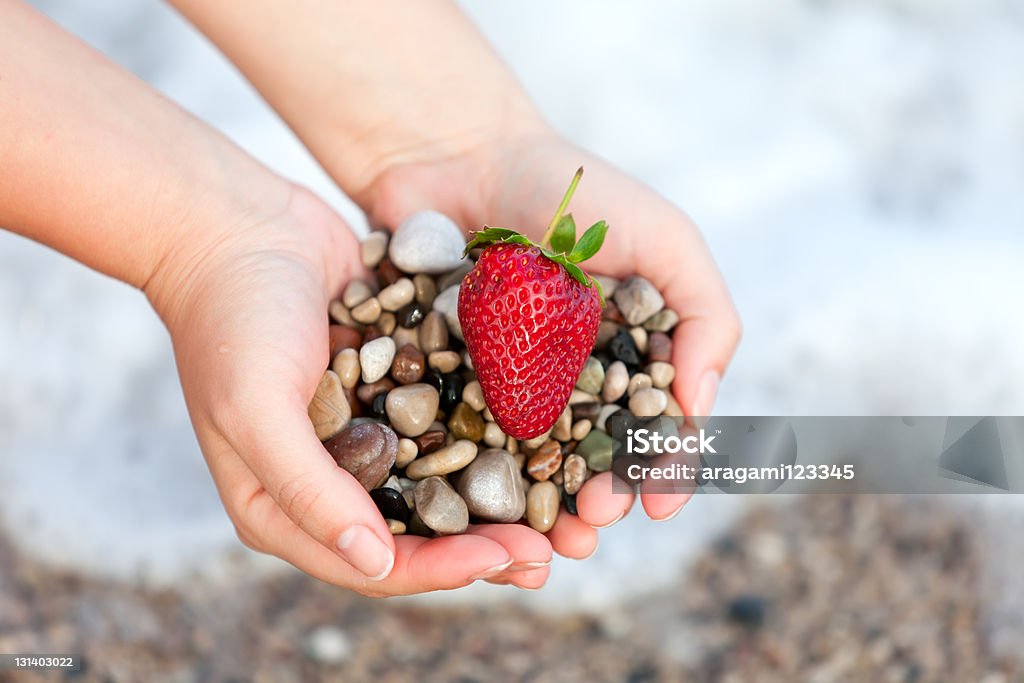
[(824, 588)]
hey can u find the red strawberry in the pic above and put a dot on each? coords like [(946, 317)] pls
[(529, 315)]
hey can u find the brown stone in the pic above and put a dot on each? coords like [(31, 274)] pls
[(342, 337), (366, 392), (428, 442), (466, 423), (545, 461), (366, 451), (409, 365), (659, 347)]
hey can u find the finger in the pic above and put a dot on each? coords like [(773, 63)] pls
[(572, 537), (528, 580), (529, 549), (702, 348), (599, 505), (662, 499)]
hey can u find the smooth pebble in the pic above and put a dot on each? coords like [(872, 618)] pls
[(356, 292), (493, 436), (329, 410), (638, 300), (591, 377), (366, 451), (448, 459), (444, 361), (574, 473), (542, 506), (427, 242), (373, 248), (440, 507), (411, 409), (493, 488), (447, 304), (616, 381), (648, 403), (396, 295), (661, 373), (346, 365), (375, 358)]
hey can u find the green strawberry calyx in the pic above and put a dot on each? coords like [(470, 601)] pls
[(559, 242)]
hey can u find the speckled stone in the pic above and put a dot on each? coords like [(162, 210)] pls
[(329, 411), (545, 462), (412, 408), (574, 473), (638, 299), (466, 423), (375, 358), (493, 488), (448, 459), (367, 451), (427, 242), (440, 507), (542, 506)]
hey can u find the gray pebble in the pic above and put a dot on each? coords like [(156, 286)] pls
[(456, 276), (493, 487), (616, 381), (662, 321), (591, 377), (411, 408), (448, 459), (328, 645), (427, 242), (373, 248), (375, 358), (608, 285), (638, 300), (440, 507)]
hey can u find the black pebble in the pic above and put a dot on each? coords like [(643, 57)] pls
[(569, 501), (433, 378), (452, 385), (748, 611), (410, 315), (377, 407), (391, 504), (624, 348)]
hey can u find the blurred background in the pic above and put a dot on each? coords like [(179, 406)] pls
[(858, 169)]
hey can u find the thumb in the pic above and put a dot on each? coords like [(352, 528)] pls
[(280, 446)]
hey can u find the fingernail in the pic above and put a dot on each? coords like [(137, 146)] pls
[(665, 519), (527, 566), (596, 545), (605, 526), (364, 550), (704, 399), (492, 572)]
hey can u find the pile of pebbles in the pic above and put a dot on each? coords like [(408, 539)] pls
[(401, 410)]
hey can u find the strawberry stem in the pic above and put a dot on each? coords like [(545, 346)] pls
[(546, 241)]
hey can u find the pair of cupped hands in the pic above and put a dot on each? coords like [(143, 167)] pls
[(247, 314)]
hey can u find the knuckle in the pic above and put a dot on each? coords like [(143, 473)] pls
[(299, 496)]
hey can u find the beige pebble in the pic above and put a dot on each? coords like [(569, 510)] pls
[(410, 498), (661, 374), (637, 382), (493, 436), (467, 360), (346, 365), (512, 446), (448, 459), (373, 248), (662, 321), (672, 409), (367, 312), (426, 290), (578, 396), (648, 403), (404, 335), (433, 333), (608, 285), (396, 527), (639, 336), (536, 441), (581, 429), (407, 452), (444, 361), (616, 381), (396, 295), (542, 506), (342, 315), (329, 410), (488, 415), (356, 293), (386, 323), (562, 431), (474, 396), (411, 408)]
